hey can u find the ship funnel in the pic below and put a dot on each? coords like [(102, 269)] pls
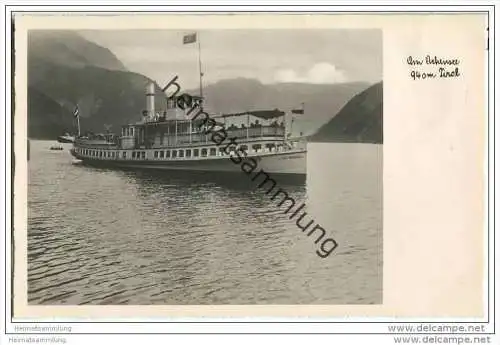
[(150, 100)]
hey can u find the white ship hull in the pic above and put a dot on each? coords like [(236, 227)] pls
[(290, 162)]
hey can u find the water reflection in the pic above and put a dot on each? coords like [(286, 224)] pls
[(236, 181)]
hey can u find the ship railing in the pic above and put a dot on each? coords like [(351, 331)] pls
[(256, 132), (185, 138), (252, 132), (94, 143), (195, 139)]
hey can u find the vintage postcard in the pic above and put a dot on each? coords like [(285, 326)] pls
[(249, 164)]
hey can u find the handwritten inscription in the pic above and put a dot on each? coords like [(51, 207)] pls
[(432, 67)]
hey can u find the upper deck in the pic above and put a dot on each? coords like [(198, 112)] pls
[(162, 131), (183, 126)]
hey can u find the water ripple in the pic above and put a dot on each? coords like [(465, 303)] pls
[(99, 236)]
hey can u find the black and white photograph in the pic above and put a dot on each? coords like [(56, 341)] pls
[(205, 166), (187, 170)]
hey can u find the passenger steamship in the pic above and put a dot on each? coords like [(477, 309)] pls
[(177, 140)]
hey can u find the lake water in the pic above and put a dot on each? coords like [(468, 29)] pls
[(99, 236)]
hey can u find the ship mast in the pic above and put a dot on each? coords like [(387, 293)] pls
[(78, 124), (194, 37), (199, 65), (76, 114)]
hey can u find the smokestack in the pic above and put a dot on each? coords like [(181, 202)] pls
[(150, 100)]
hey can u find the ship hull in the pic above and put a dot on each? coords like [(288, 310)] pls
[(290, 163)]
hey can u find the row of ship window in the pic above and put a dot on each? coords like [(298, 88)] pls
[(180, 153), (186, 153)]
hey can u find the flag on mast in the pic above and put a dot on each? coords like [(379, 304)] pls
[(191, 38), (76, 111)]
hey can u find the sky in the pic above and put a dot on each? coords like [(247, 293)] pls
[(270, 56)]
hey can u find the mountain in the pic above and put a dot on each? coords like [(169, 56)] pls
[(360, 120), (241, 94), (67, 48), (55, 119), (64, 69)]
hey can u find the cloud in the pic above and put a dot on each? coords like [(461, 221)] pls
[(320, 73)]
